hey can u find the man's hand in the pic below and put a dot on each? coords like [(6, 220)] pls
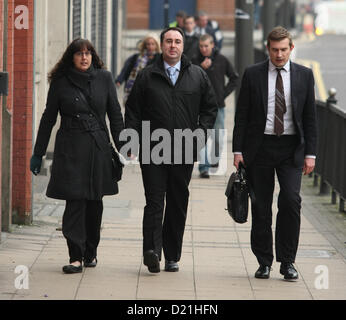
[(206, 63), (238, 158), (309, 165)]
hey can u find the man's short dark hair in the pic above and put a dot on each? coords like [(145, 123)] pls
[(162, 35), (205, 37), (188, 17), (277, 34), (181, 14)]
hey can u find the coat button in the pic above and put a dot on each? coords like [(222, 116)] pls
[(77, 99), (90, 115), (78, 116)]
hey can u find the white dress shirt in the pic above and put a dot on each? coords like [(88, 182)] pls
[(288, 116)]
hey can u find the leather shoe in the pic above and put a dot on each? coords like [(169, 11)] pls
[(215, 165), (263, 272), (288, 271), (204, 175), (90, 264), (69, 269), (171, 266), (151, 260)]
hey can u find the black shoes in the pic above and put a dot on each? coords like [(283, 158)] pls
[(69, 269), (90, 264), (151, 260), (204, 175), (171, 266), (288, 271), (263, 272), (215, 165)]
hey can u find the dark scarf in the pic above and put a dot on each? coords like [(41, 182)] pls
[(82, 79)]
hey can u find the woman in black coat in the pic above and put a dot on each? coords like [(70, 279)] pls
[(83, 92)]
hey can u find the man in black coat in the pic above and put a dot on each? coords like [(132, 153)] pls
[(206, 26), (217, 67), (275, 131), (171, 95), (191, 38)]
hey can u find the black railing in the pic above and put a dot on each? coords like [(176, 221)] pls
[(331, 152)]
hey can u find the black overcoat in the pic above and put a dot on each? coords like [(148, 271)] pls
[(220, 68), (82, 167), (189, 104)]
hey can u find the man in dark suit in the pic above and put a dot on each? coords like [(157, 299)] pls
[(275, 131)]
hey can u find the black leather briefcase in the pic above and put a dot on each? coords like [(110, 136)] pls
[(237, 193)]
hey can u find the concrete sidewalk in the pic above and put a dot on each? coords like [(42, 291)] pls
[(217, 262)]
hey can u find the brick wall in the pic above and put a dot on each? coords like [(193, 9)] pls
[(219, 10), (22, 117), (137, 14)]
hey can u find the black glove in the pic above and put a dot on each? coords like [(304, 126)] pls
[(35, 164)]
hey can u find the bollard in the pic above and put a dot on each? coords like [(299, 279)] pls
[(333, 197), (331, 98), (342, 205), (324, 187)]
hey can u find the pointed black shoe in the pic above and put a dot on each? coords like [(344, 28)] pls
[(69, 269), (204, 175), (151, 260), (92, 264), (263, 272), (288, 271), (171, 266), (215, 165)]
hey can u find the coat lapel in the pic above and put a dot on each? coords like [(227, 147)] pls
[(264, 86), (294, 87)]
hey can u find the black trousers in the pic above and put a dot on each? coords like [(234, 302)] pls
[(170, 183), (81, 226), (275, 155)]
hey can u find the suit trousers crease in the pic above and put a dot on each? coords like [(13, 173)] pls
[(81, 226), (167, 196), (275, 156)]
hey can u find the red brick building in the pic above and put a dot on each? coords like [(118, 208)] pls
[(16, 38), (139, 13)]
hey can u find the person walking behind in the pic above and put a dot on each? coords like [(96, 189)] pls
[(83, 92), (204, 25), (171, 94), (179, 19), (217, 68), (149, 50), (275, 132), (191, 38)]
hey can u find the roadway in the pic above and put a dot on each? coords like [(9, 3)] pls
[(326, 55)]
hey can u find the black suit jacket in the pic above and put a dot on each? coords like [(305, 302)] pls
[(252, 105)]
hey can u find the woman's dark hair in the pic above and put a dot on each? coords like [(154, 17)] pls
[(66, 61)]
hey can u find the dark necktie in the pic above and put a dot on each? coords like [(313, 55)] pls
[(280, 105)]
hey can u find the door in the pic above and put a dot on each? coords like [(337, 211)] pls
[(156, 18)]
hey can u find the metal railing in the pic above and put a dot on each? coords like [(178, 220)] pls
[(331, 151)]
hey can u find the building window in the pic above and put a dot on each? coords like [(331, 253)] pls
[(76, 19)]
